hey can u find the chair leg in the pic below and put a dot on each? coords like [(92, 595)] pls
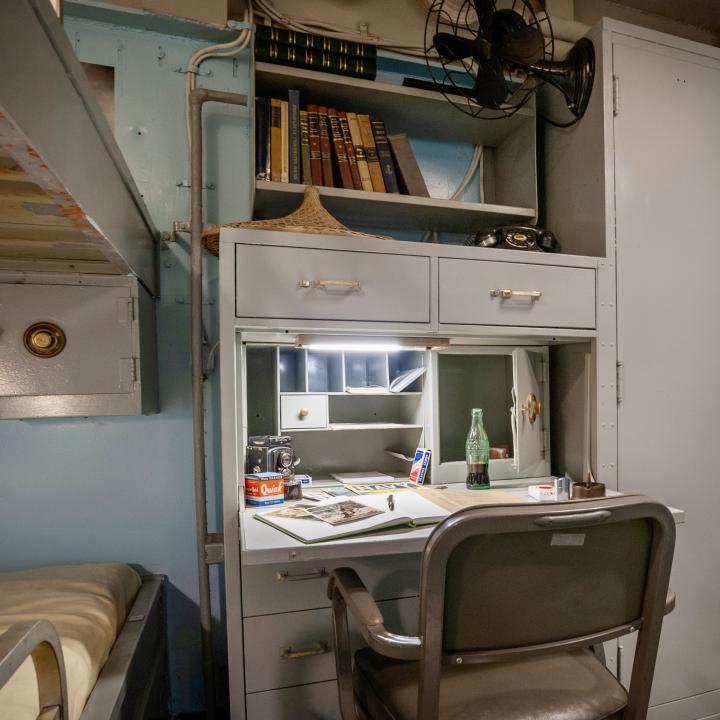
[(343, 660)]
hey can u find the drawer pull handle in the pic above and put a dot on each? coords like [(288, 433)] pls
[(505, 294), (303, 412), (319, 649), (284, 575), (353, 285)]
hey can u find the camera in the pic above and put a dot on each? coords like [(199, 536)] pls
[(270, 453)]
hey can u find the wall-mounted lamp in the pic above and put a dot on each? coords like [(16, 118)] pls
[(370, 343)]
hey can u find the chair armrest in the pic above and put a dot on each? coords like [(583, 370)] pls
[(39, 641), (346, 583), (670, 602)]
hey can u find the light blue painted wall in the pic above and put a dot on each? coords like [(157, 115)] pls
[(81, 490), (95, 489)]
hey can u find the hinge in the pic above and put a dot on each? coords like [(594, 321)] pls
[(544, 371), (546, 443), (619, 381), (616, 95), (133, 369), (126, 311)]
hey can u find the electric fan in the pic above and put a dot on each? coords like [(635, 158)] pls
[(493, 56)]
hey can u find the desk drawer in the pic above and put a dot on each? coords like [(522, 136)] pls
[(565, 295), (318, 701), (303, 411), (301, 586), (276, 282), (297, 648)]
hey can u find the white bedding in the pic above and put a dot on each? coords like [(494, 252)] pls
[(87, 605)]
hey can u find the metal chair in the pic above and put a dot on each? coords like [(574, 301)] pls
[(513, 600), (39, 641)]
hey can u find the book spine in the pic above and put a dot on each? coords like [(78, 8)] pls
[(350, 150), (315, 42), (340, 152), (284, 167), (410, 178), (305, 148), (262, 139), (325, 154), (275, 140), (294, 136), (316, 60), (363, 170), (368, 141), (384, 155), (314, 141)]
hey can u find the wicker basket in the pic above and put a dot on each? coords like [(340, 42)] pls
[(311, 217)]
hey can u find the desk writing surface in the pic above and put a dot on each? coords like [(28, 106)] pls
[(263, 544)]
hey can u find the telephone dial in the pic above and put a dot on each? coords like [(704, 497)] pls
[(512, 237)]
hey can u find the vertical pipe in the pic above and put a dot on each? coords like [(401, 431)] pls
[(199, 96), (196, 225)]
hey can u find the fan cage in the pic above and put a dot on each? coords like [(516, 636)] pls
[(451, 78)]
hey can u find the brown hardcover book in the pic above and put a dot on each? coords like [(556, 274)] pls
[(306, 173), (368, 141), (350, 151), (275, 139), (314, 142), (362, 166), (410, 178), (325, 152), (340, 151), (284, 128)]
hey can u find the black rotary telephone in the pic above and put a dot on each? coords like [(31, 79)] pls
[(513, 237)]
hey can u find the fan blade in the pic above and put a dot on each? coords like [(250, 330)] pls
[(451, 47), (522, 47), (484, 10), (490, 89)]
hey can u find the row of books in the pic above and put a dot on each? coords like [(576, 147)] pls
[(315, 52), (323, 146)]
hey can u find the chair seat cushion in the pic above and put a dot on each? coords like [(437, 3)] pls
[(562, 686)]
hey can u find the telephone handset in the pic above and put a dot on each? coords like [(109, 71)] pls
[(514, 237)]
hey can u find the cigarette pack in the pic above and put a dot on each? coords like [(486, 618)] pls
[(420, 465)]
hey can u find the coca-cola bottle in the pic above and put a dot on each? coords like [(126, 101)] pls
[(477, 453)]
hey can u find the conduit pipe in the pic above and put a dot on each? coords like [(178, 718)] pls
[(198, 97)]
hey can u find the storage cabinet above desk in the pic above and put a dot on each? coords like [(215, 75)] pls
[(291, 280)]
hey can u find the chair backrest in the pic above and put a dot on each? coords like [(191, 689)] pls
[(504, 581)]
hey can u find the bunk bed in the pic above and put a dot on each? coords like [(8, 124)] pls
[(89, 641), (81, 642), (68, 202)]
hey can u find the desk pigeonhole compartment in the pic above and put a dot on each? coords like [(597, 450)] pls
[(278, 282), (481, 292)]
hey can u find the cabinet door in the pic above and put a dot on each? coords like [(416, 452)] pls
[(667, 174), (311, 284)]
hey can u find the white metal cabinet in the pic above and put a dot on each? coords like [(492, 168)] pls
[(105, 362), (478, 292), (637, 181), (277, 281)]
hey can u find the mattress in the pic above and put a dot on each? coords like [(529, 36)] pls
[(87, 605)]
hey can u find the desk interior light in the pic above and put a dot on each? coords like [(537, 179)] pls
[(370, 343)]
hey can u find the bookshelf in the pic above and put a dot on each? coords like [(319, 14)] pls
[(389, 210), (509, 155)]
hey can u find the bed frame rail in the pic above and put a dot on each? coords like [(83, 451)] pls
[(39, 641), (137, 662)]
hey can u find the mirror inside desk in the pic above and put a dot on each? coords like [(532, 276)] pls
[(367, 407)]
